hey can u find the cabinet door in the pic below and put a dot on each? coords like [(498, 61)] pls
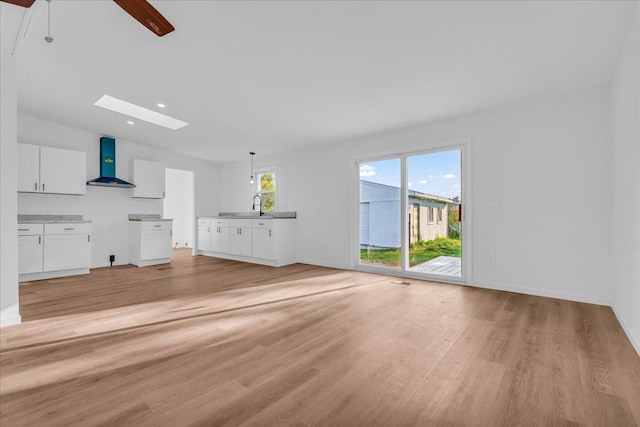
[(223, 236), (63, 171), (29, 254), (263, 243), (66, 251), (155, 245), (28, 168), (149, 179), (204, 238), (240, 241)]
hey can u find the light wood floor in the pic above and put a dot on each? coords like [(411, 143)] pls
[(215, 342)]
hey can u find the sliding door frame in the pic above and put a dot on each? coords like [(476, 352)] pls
[(464, 146)]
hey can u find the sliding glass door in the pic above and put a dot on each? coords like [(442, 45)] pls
[(410, 213), (380, 213)]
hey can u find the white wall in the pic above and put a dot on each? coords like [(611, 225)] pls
[(626, 185), (178, 204), (9, 307), (108, 207), (545, 157)]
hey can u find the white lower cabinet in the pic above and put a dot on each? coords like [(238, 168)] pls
[(240, 237), (220, 241), (150, 242), (53, 250), (203, 242), (264, 241), (30, 252), (66, 251)]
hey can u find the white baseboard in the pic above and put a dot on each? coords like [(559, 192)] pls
[(324, 264), (13, 319), (108, 264), (627, 330), (51, 274), (549, 293)]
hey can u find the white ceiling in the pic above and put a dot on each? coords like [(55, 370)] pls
[(270, 76)]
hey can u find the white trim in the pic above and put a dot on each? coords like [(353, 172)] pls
[(635, 342), (263, 169), (10, 320), (326, 264), (30, 277), (547, 293)]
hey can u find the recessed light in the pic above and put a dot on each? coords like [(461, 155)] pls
[(161, 105), (129, 122), (138, 112)]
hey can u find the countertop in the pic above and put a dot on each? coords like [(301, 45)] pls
[(54, 221), (253, 215), (147, 217), (51, 219), (150, 220)]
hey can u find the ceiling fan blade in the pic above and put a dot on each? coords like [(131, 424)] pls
[(147, 15), (23, 3)]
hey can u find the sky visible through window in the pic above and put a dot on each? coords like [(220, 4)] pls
[(433, 173)]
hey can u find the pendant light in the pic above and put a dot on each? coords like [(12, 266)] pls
[(48, 37), (251, 180)]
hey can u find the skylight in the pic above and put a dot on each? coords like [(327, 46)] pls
[(138, 112)]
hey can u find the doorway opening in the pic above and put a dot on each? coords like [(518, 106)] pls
[(411, 214), (179, 205)]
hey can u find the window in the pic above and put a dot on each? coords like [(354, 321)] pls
[(439, 216), (430, 215), (266, 188)]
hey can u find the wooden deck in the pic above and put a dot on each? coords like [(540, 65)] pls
[(445, 265)]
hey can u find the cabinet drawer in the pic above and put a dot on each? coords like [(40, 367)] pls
[(240, 223), (262, 223), (156, 225), (30, 229), (218, 222), (204, 222), (81, 228)]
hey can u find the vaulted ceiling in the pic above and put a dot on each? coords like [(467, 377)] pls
[(269, 76)]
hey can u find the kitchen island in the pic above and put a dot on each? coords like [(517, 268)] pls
[(267, 239)]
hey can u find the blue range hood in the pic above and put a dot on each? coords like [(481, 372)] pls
[(108, 166)]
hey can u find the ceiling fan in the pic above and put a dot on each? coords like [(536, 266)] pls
[(141, 10)]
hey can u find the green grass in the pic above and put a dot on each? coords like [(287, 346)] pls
[(419, 252)]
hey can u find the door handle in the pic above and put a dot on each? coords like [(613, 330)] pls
[(23, 229), (157, 225), (42, 187), (269, 233), (39, 240), (69, 229), (35, 186), (88, 237)]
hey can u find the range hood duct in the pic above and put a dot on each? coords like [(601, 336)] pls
[(108, 166)]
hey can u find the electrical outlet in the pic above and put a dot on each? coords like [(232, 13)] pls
[(492, 260)]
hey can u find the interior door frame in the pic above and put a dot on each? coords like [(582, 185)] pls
[(464, 145)]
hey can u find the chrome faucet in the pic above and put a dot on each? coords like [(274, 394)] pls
[(259, 203)]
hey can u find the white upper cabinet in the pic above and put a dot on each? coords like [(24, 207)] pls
[(63, 171), (51, 170), (148, 178), (28, 168)]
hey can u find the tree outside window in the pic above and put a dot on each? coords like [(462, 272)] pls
[(266, 188)]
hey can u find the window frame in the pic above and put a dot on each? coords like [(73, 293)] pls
[(259, 171), (430, 215)]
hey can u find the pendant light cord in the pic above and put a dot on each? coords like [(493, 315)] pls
[(48, 38)]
